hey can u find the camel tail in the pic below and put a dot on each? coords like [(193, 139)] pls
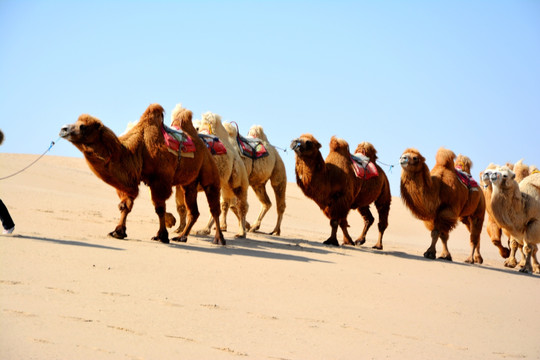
[(445, 157)]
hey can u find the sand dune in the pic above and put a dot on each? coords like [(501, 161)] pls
[(70, 292)]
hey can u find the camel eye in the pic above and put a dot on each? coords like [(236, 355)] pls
[(82, 128), (415, 158)]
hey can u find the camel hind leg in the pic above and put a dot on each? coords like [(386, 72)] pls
[(383, 209), (266, 204), (475, 227), (368, 221), (280, 189), (213, 198), (160, 193), (190, 192)]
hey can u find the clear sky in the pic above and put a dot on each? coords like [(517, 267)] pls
[(460, 74)]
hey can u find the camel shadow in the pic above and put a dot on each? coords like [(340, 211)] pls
[(256, 248), (67, 242)]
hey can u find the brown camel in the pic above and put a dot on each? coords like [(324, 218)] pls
[(334, 186), (516, 207), (142, 155), (439, 199), (260, 171)]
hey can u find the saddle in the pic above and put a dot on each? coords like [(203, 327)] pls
[(213, 143), (250, 147), (178, 142), (363, 167), (466, 179)]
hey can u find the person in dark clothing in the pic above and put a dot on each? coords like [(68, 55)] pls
[(7, 221)]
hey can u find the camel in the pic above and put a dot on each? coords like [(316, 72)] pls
[(494, 230), (142, 155), (335, 188), (234, 184), (516, 207), (260, 171), (439, 199)]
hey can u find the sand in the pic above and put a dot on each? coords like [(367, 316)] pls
[(67, 291)]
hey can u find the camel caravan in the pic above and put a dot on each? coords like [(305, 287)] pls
[(211, 156)]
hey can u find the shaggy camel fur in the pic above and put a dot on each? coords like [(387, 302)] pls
[(142, 155), (333, 185), (439, 199), (260, 171), (494, 230), (516, 207), (234, 185)]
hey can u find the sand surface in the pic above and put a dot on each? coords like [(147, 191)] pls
[(67, 291)]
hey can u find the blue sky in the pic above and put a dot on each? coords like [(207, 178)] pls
[(460, 74)]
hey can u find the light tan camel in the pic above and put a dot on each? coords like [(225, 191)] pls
[(516, 207), (234, 188), (260, 171)]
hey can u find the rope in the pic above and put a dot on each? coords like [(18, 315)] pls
[(389, 166), (32, 163)]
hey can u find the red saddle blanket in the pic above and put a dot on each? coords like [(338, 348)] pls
[(252, 147), (466, 179), (363, 167), (177, 140), (213, 143)]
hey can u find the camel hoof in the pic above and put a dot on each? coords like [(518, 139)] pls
[(202, 232), (377, 247), (360, 241), (510, 264), (478, 259), (332, 242), (164, 240), (240, 236), (118, 234), (276, 232), (524, 270), (448, 258), (429, 255), (219, 241), (180, 239)]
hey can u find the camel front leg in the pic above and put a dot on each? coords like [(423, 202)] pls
[(213, 196), (280, 188), (528, 250), (431, 252), (332, 240), (511, 262), (125, 206), (495, 233), (445, 254)]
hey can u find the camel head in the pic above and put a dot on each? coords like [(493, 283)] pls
[(502, 177), (210, 123), (306, 145), (485, 176), (411, 160), (86, 130)]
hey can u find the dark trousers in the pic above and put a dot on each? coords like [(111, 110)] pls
[(7, 221)]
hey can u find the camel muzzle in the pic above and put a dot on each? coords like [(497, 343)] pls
[(295, 144), (64, 131), (404, 160), (494, 176)]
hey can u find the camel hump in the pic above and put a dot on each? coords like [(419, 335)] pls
[(186, 123), (367, 149), (339, 145), (445, 157), (464, 163)]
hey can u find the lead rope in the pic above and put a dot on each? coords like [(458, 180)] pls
[(32, 163)]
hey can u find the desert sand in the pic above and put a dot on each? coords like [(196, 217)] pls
[(67, 291)]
